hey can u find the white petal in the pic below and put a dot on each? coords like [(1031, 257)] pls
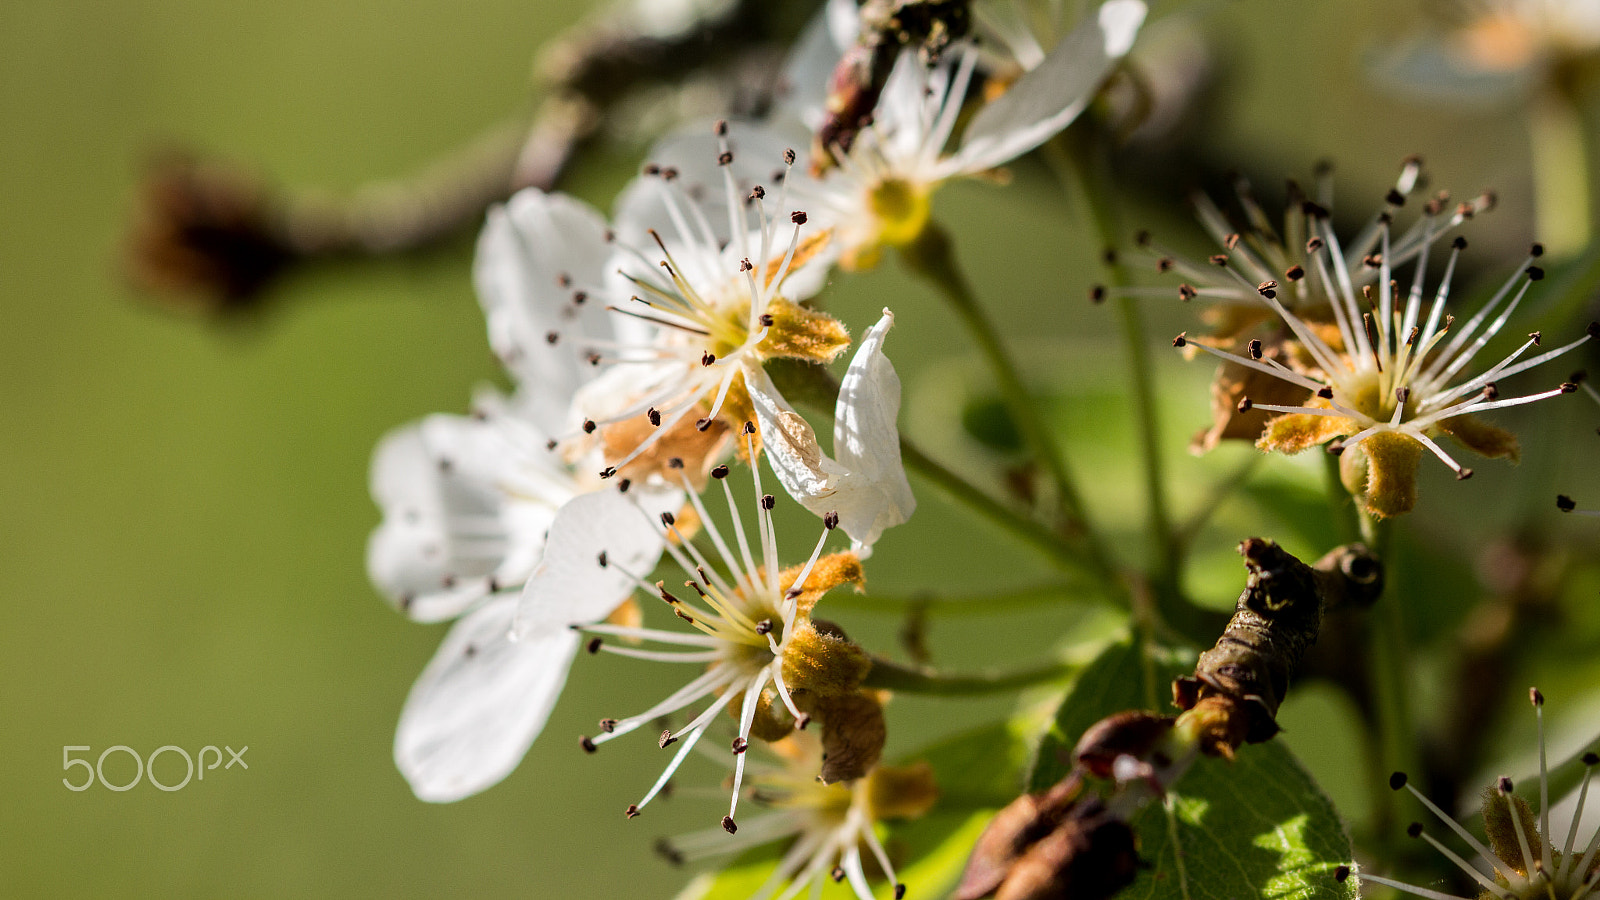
[(1047, 99), (571, 586), (479, 704), (807, 473), (534, 254), (443, 533), (866, 441)]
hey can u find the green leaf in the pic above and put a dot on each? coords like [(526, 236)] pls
[(1120, 678), (1256, 827), (976, 772)]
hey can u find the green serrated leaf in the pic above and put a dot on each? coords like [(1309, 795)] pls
[(1256, 827), (976, 772), (1119, 678)]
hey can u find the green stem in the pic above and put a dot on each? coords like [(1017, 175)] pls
[(1090, 170), (1387, 651), (1560, 173), (956, 606), (932, 258), (919, 680), (1035, 535), (1341, 503)]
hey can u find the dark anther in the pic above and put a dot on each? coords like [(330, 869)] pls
[(586, 744), (1395, 198), (594, 647), (758, 193), (675, 462), (1231, 241), (632, 811), (1491, 391), (837, 874), (1536, 251), (1372, 260), (764, 626), (603, 560), (593, 359), (1220, 260), (1463, 475), (1591, 759), (746, 265), (799, 218), (724, 158), (1565, 503), (1414, 830), (788, 157), (1460, 243), (669, 173), (588, 426), (608, 725), (470, 650), (579, 298), (803, 721), (1165, 264), (749, 427), (667, 519), (1142, 238), (652, 169), (550, 444), (1568, 387), (899, 892), (830, 520), (1341, 874), (1245, 405), (1397, 781), (608, 471), (1187, 293), (720, 472), (1314, 245), (1267, 289), (1535, 697), (728, 825), (766, 320), (707, 359), (1325, 392), (552, 337), (666, 740), (768, 501), (1109, 256), (1255, 349), (623, 485), (720, 127), (1503, 785), (1535, 273), (1402, 395), (654, 415), (1181, 339), (1295, 273), (1097, 294), (740, 745), (702, 424), (1335, 448), (1594, 330)]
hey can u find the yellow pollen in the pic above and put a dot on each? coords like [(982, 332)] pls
[(901, 209)]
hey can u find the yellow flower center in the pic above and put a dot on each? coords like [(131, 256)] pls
[(901, 209)]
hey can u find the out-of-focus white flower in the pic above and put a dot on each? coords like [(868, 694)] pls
[(1493, 49), (877, 190), (1519, 853), (828, 824), (752, 630), (864, 483)]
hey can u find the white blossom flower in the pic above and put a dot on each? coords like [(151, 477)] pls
[(878, 189), (1492, 49), (1519, 853), (692, 303), (826, 824), (1393, 379), (472, 508), (752, 630)]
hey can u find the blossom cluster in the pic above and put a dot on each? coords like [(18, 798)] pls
[(640, 348)]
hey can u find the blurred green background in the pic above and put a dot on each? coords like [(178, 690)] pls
[(185, 504)]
